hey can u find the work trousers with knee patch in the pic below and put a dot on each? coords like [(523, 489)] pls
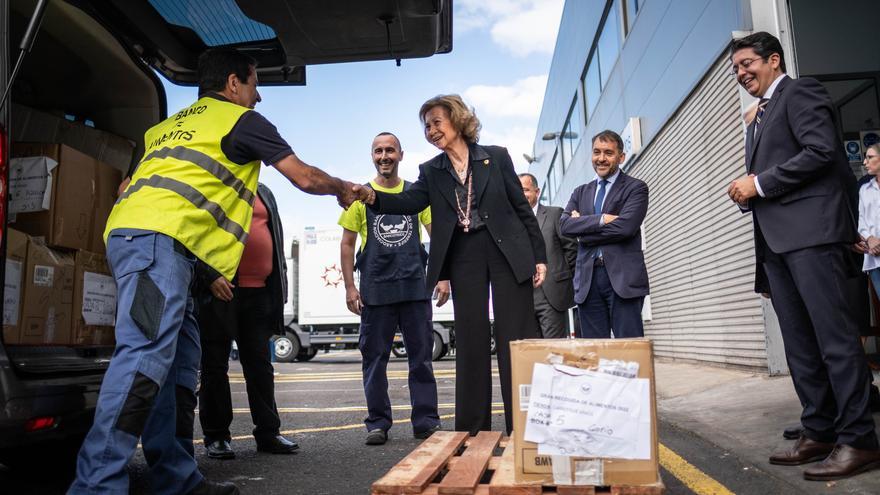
[(148, 393)]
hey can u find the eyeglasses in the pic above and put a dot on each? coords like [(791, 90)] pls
[(745, 64)]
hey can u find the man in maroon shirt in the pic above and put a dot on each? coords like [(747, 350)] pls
[(249, 309)]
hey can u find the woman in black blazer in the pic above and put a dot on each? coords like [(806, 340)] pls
[(483, 234)]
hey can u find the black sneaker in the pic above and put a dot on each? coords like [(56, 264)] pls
[(376, 436), (213, 488), (221, 449), (421, 435)]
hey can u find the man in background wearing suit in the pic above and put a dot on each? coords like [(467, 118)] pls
[(799, 189), (606, 214), (556, 294)]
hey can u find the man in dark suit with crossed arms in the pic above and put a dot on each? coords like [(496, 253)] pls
[(606, 215), (798, 189), (556, 294)]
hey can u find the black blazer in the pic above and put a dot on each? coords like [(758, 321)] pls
[(561, 256), (811, 197), (499, 198), (620, 240)]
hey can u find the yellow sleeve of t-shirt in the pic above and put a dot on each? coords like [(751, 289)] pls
[(425, 216), (354, 219)]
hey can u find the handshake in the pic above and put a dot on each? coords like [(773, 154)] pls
[(349, 192)]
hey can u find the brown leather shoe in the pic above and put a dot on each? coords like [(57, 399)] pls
[(803, 451), (843, 462)]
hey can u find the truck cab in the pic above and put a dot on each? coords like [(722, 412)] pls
[(91, 82)]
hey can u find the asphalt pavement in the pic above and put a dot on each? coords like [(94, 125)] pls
[(322, 407)]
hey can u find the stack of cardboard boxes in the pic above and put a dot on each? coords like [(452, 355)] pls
[(58, 288)]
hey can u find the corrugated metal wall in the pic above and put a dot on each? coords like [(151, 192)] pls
[(699, 247)]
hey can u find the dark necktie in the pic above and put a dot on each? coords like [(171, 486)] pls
[(597, 208), (760, 114)]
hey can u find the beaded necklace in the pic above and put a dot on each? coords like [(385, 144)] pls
[(464, 215)]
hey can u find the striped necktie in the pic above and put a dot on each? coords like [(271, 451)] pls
[(760, 114)]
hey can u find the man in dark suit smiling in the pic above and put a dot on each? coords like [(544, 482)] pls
[(606, 214), (799, 189)]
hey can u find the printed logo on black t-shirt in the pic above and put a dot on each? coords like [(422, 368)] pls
[(392, 230)]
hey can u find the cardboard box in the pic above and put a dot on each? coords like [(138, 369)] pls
[(531, 468), (94, 301), (30, 125), (48, 296), (81, 196), (16, 262)]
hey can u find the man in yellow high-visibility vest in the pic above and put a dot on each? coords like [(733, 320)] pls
[(191, 197)]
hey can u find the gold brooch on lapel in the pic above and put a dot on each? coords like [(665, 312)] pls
[(486, 161)]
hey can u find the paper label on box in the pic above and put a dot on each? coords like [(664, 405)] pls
[(30, 183), (99, 299), (576, 412), (44, 276), (525, 391), (12, 292), (617, 367)]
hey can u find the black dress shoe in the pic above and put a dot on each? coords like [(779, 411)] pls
[(220, 450), (792, 432), (376, 436), (426, 433), (277, 445), (213, 488), (843, 462)]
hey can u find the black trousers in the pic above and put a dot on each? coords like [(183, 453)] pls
[(603, 311), (475, 263), (246, 318), (809, 289)]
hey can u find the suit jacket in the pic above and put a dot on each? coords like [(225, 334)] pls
[(561, 256), (620, 240), (499, 199), (811, 197)]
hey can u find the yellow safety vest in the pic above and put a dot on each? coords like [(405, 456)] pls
[(185, 186)]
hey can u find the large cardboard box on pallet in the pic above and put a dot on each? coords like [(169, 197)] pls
[(532, 468), (16, 262), (94, 301), (48, 296), (79, 192)]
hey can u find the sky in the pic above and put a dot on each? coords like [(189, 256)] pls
[(499, 64)]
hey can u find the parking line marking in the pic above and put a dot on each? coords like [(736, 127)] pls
[(698, 481), (344, 427), (401, 407)]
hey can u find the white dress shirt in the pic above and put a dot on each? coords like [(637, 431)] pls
[(767, 95), (869, 218), (610, 183)]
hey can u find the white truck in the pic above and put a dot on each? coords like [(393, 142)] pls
[(316, 316)]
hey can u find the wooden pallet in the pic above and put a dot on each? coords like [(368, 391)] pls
[(453, 463)]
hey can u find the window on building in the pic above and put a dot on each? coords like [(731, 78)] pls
[(609, 42), (544, 198), (554, 174), (592, 85), (571, 133), (632, 10), (557, 178), (548, 186)]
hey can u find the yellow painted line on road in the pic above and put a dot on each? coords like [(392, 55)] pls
[(343, 427), (698, 481), (401, 407)]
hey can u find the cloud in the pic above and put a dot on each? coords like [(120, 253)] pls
[(521, 27), (521, 99), (517, 140)]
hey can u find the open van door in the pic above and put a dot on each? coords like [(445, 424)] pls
[(282, 35)]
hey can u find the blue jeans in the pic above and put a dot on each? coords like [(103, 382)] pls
[(875, 280), (148, 392)]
